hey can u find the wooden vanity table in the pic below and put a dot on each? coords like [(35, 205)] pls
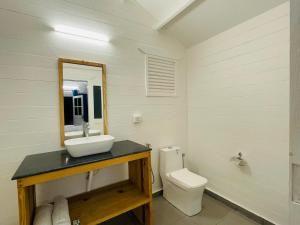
[(96, 206)]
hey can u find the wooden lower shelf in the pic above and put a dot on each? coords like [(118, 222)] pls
[(99, 205)]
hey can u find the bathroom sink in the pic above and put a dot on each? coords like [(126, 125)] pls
[(83, 146)]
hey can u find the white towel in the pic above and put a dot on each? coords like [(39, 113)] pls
[(43, 215), (60, 215)]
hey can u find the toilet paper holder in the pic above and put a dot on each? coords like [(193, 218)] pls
[(240, 156), (239, 160)]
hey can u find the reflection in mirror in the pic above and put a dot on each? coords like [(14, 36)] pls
[(82, 87)]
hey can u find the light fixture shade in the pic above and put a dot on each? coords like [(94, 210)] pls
[(70, 88), (81, 33)]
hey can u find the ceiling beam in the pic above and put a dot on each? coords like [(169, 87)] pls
[(172, 15)]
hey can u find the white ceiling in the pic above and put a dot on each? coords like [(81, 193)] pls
[(160, 9), (164, 10), (205, 18)]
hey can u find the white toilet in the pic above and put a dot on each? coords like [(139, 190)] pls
[(181, 187)]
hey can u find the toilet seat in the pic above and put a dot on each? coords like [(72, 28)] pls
[(186, 179)]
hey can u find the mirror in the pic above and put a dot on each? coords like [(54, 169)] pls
[(82, 91)]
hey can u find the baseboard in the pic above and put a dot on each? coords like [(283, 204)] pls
[(157, 193), (236, 207)]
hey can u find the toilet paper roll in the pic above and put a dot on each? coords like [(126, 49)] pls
[(60, 215), (43, 215), (242, 163)]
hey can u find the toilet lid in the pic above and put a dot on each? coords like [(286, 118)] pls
[(187, 179)]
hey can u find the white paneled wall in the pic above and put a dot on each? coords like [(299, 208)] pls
[(295, 113), (29, 86), (238, 101)]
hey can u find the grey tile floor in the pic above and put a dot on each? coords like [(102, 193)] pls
[(213, 212)]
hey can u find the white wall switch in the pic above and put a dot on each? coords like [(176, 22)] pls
[(137, 118)]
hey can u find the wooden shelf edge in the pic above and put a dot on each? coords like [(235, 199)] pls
[(102, 204)]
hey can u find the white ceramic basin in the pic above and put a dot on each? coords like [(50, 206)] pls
[(83, 146)]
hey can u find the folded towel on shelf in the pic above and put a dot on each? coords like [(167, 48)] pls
[(60, 215), (43, 215)]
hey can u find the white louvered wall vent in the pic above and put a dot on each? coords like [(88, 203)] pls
[(160, 76)]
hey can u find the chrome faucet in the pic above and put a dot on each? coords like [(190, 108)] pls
[(86, 129)]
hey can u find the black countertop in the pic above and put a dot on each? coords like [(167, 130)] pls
[(57, 160)]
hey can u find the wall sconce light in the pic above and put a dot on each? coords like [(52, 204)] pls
[(81, 33)]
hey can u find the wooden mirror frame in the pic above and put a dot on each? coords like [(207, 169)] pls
[(61, 61)]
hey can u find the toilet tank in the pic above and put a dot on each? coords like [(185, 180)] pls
[(170, 160)]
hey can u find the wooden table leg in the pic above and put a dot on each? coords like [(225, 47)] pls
[(140, 175), (135, 176), (147, 188), (26, 200)]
